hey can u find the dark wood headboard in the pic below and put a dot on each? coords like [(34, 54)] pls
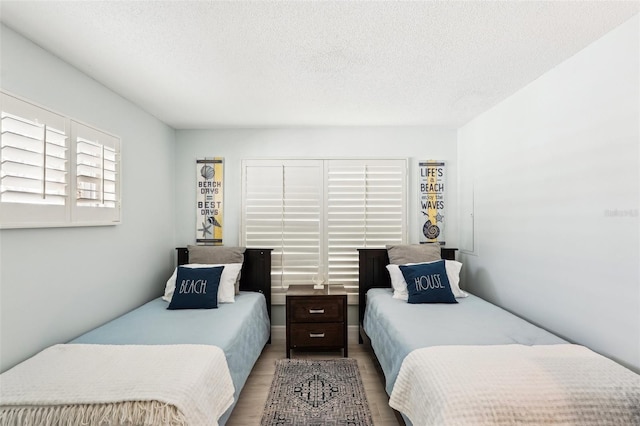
[(373, 273), (255, 274)]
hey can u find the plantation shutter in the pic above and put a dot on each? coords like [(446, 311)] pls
[(34, 165), (282, 209), (366, 208), (97, 165), (316, 214), (55, 171)]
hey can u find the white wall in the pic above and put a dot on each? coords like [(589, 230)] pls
[(415, 143), (57, 283), (555, 169)]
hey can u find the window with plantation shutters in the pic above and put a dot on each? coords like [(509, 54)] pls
[(96, 175), (317, 213), (366, 208), (47, 169), (282, 207)]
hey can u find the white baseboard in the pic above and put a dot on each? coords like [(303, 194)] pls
[(278, 332), (352, 331)]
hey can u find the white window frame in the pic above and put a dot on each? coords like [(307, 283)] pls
[(329, 239), (17, 210)]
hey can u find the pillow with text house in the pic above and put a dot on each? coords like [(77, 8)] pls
[(428, 283), (399, 285)]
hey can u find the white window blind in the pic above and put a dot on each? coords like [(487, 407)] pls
[(96, 175), (282, 207), (316, 214), (34, 165), (41, 171), (366, 205)]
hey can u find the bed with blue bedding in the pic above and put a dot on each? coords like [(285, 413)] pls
[(218, 346), (397, 328), (240, 329), (471, 362)]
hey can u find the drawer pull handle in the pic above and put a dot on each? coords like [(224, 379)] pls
[(316, 335), (316, 311)]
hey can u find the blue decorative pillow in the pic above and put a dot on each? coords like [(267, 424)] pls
[(196, 288), (428, 283)]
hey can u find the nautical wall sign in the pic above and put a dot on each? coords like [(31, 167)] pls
[(432, 208), (209, 200)]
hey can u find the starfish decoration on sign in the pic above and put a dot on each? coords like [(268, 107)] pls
[(206, 229), (439, 218)]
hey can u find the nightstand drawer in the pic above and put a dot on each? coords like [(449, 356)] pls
[(316, 309), (317, 335)]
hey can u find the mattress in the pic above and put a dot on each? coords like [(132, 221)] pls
[(396, 328), (240, 329)]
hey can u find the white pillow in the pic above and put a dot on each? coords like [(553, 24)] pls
[(400, 285), (226, 289)]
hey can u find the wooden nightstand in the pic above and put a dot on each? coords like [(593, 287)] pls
[(316, 319)]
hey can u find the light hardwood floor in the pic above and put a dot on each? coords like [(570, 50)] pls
[(248, 411)]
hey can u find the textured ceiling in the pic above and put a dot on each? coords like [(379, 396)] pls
[(206, 64)]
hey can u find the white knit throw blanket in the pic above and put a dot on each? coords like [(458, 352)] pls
[(515, 384), (118, 384)]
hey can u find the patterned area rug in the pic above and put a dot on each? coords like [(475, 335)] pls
[(317, 393)]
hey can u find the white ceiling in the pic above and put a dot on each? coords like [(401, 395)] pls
[(207, 64)]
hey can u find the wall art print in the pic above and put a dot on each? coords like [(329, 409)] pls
[(209, 200), (432, 206)]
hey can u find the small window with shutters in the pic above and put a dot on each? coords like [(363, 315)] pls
[(96, 175), (53, 170)]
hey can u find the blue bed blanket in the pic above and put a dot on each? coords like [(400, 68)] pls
[(240, 329), (396, 328)]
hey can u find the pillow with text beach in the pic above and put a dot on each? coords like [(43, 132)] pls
[(226, 292), (196, 288)]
